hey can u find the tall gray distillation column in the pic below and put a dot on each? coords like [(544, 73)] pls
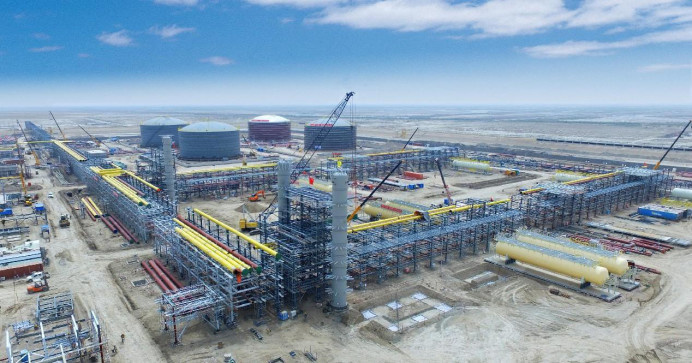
[(339, 240), (169, 167), (283, 173)]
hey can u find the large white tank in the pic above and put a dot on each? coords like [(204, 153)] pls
[(374, 209), (682, 193), (552, 260), (612, 261), (475, 165), (565, 177)]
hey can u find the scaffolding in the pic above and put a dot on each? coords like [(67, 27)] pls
[(56, 335), (395, 248), (557, 205), (303, 240), (228, 181), (378, 165)]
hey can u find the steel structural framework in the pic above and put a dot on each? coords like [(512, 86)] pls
[(377, 165), (559, 205), (56, 335)]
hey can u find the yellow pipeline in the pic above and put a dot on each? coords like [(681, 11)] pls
[(213, 245), (125, 190), (91, 210), (95, 206), (229, 168), (209, 252), (578, 181), (394, 152), (152, 186), (70, 151), (218, 252), (413, 217), (239, 234)]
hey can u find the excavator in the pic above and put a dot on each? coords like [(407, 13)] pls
[(255, 197)]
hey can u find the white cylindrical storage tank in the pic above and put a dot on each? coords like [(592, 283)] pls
[(612, 261), (375, 210), (552, 260), (208, 141), (566, 177), (341, 136), (269, 128), (682, 193), (152, 130), (466, 164)]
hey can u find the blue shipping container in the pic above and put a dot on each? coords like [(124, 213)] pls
[(671, 216)]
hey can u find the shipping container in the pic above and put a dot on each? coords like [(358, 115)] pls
[(659, 211)]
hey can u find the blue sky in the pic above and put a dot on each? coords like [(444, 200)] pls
[(310, 52)]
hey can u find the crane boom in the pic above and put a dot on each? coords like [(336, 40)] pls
[(36, 159), (95, 140), (409, 139), (658, 164), (311, 149), (444, 183), (355, 211), (56, 124)]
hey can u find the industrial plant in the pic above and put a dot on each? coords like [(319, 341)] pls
[(218, 243)]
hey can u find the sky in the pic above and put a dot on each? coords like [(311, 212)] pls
[(311, 52)]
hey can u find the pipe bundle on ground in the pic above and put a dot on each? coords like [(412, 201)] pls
[(239, 234), (608, 259)]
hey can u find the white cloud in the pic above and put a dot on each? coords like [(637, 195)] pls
[(177, 2), (297, 3), (117, 39), (169, 31), (286, 20), (41, 36), (51, 48), (574, 48), (217, 61), (664, 67), (495, 18), (83, 55)]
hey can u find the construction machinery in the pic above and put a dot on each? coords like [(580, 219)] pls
[(64, 221), (450, 201), (255, 197), (658, 164), (56, 124), (37, 161), (247, 223), (95, 140), (38, 285)]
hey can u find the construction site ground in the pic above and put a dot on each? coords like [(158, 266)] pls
[(505, 318)]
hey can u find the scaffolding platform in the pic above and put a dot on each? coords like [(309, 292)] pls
[(554, 279)]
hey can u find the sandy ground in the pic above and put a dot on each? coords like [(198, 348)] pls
[(514, 319)]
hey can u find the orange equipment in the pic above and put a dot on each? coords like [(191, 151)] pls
[(37, 286), (255, 197)]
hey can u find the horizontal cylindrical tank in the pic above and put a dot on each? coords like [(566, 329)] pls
[(209, 141), (612, 261), (376, 210), (269, 128), (316, 184), (341, 136), (552, 260), (466, 164), (565, 177), (682, 193), (152, 130), (408, 207)]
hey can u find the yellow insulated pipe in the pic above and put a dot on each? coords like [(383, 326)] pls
[(220, 253), (125, 190), (152, 186), (95, 205), (232, 168), (551, 260), (212, 245), (239, 234), (608, 259), (578, 181), (91, 210), (70, 151), (213, 254)]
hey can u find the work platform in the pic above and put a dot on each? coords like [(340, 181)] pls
[(554, 279)]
